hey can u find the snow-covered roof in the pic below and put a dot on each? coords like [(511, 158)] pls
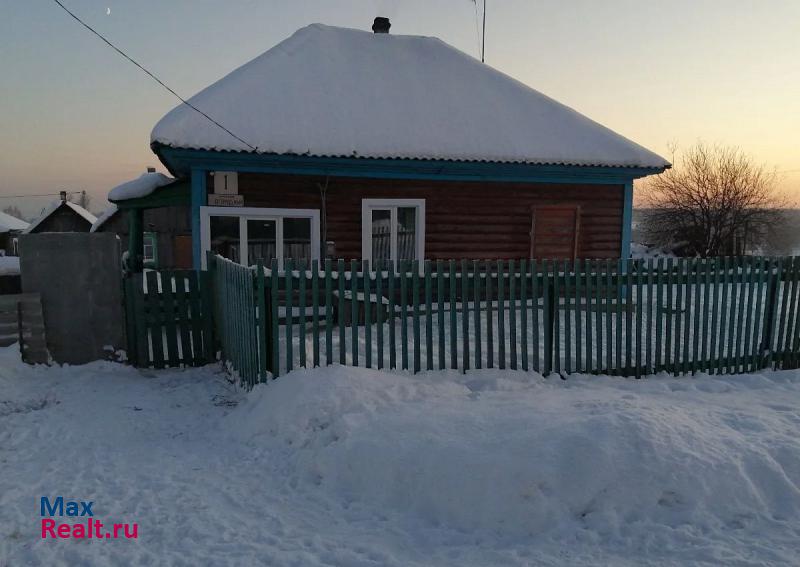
[(142, 186), (329, 91), (107, 214), (9, 222), (54, 206)]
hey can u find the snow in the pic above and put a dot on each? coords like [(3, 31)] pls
[(329, 91), (107, 214), (644, 252), (52, 207), (343, 466), (8, 223), (9, 265), (142, 186)]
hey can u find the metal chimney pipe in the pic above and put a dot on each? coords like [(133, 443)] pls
[(381, 25)]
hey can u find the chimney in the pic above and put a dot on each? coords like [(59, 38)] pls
[(63, 195), (381, 25), (151, 169)]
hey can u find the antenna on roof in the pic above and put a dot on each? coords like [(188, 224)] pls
[(483, 34)]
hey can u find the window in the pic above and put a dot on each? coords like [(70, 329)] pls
[(150, 250), (393, 229), (248, 234)]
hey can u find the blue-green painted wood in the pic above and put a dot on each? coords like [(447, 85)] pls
[(489, 317), (289, 266), (512, 313), (537, 361), (379, 267), (465, 279), (453, 300), (416, 316), (392, 314), (428, 317), (354, 312), (440, 313), (476, 311), (315, 311), (302, 317), (329, 322), (501, 315), (403, 264), (569, 311), (547, 320), (341, 306), (523, 313), (262, 321), (366, 282), (274, 290)]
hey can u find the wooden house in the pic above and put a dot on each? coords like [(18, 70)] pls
[(349, 144), (62, 216)]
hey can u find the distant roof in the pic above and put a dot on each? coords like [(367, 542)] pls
[(8, 222), (338, 92), (54, 206), (107, 214)]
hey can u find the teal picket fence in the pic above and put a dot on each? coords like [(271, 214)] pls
[(627, 318), (168, 319)]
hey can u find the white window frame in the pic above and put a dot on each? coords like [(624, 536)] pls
[(258, 213), (369, 205)]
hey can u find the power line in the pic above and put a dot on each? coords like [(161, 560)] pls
[(159, 81), (38, 195)]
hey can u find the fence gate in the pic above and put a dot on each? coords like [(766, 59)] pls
[(169, 320)]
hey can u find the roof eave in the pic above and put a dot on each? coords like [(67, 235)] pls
[(181, 161)]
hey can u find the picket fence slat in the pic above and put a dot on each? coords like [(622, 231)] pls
[(622, 317)]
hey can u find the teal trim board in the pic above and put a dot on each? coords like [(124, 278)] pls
[(198, 200), (180, 161)]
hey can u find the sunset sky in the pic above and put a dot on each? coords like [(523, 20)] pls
[(75, 115)]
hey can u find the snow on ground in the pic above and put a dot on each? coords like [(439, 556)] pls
[(344, 466), (9, 265)]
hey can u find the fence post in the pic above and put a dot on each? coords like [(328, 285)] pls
[(206, 284), (770, 309), (552, 309), (262, 303)]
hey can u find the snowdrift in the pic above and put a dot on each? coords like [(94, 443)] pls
[(517, 456)]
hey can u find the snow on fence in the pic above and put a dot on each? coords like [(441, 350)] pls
[(168, 318), (630, 318)]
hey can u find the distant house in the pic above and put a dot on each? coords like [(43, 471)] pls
[(167, 236), (62, 216), (339, 142), (10, 228)]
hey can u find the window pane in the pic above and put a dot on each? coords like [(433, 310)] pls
[(296, 239), (225, 237), (406, 233), (381, 234), (261, 242)]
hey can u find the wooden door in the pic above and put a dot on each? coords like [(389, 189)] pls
[(555, 231)]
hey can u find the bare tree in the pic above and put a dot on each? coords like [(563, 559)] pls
[(715, 200)]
